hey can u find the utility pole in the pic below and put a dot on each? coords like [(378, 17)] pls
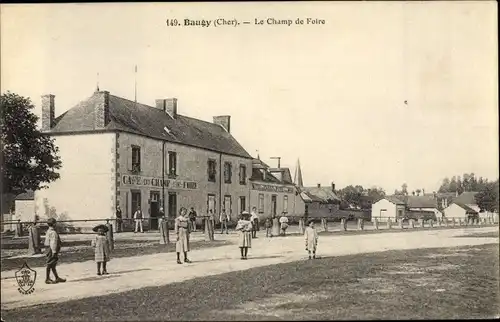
[(279, 160)]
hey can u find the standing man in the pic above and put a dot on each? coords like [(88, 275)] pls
[(192, 219), (53, 244), (119, 222), (223, 221), (138, 219), (254, 219)]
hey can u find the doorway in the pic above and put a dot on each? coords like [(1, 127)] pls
[(154, 210), (273, 205), (172, 204)]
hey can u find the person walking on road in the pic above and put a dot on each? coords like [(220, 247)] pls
[(254, 218), (244, 227), (182, 236), (223, 221), (311, 238), (53, 244), (192, 219), (138, 219), (101, 249)]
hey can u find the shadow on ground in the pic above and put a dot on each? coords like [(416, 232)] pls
[(447, 283)]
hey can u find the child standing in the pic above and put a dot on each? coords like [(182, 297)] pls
[(101, 249), (53, 244), (269, 227), (245, 230), (311, 236)]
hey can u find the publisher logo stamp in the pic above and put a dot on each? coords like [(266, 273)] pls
[(26, 278)]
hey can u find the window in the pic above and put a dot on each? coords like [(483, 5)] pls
[(211, 204), (285, 204), (227, 205), (212, 171), (261, 203), (172, 163), (136, 159), (172, 204), (136, 201), (243, 205), (243, 174), (273, 204), (227, 172)]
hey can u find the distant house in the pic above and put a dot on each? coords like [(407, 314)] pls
[(423, 204), (459, 210), (25, 206), (468, 198), (320, 199), (388, 207)]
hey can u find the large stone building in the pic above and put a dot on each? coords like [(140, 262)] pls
[(119, 152)]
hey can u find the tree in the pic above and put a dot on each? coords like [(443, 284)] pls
[(487, 198), (418, 191), (30, 159), (453, 185), (445, 186), (404, 189)]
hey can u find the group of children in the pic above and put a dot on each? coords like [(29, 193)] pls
[(102, 249)]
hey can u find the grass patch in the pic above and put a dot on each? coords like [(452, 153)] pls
[(130, 249), (490, 234), (390, 285)]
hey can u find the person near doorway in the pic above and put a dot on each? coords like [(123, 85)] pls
[(182, 235), (119, 221), (284, 223), (276, 226), (192, 219), (211, 222), (269, 227), (138, 220), (254, 218), (53, 244), (223, 221), (163, 227), (244, 227)]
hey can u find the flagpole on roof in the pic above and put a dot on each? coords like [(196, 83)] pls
[(135, 85)]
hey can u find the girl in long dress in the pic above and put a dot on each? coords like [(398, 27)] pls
[(182, 233), (101, 249), (311, 237), (244, 227), (276, 226)]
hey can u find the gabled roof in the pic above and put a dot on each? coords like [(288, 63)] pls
[(28, 195), (397, 200), (466, 198), (467, 209), (322, 193), (307, 197), (258, 175), (286, 177), (128, 116), (421, 202)]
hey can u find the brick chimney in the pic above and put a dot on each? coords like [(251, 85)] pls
[(48, 112), (319, 185), (101, 110), (224, 121), (333, 187), (168, 105)]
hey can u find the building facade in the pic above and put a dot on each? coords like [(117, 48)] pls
[(118, 152), (388, 207)]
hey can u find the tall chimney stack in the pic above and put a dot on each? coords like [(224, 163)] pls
[(224, 121), (48, 112), (101, 110), (333, 187), (319, 185)]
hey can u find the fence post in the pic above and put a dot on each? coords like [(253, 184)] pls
[(343, 224), (164, 236), (375, 223), (325, 224), (412, 223), (209, 236), (34, 241), (19, 229), (431, 223), (444, 221), (420, 223), (389, 223), (400, 222), (301, 226), (360, 224), (110, 235)]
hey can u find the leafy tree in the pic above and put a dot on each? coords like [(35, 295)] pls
[(445, 186), (487, 199), (453, 185), (404, 189), (30, 158), (418, 191)]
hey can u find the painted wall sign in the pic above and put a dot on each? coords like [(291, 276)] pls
[(158, 182), (270, 188)]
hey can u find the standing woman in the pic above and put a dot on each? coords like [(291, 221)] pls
[(245, 230), (276, 226), (182, 232)]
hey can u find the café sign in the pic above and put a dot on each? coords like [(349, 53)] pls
[(129, 180), (270, 188)]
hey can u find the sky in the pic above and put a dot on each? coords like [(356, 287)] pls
[(332, 95)]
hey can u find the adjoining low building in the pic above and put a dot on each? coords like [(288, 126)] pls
[(25, 206), (460, 211), (423, 204), (388, 207)]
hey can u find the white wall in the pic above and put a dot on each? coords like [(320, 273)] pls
[(25, 210), (455, 211), (379, 206), (86, 188)]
